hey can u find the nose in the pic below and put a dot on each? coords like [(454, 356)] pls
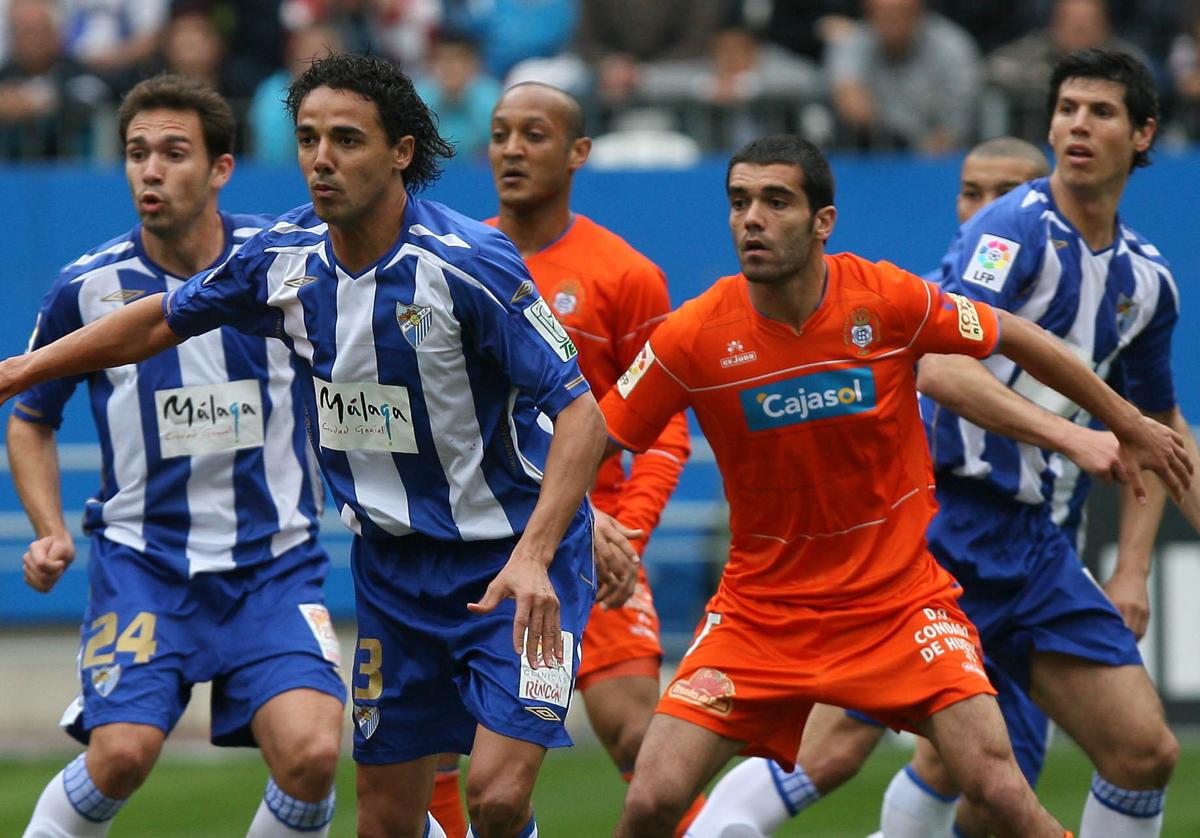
[(152, 171), (511, 145), (1079, 121), (323, 159), (753, 217)]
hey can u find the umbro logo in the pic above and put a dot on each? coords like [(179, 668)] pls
[(122, 295), (299, 281), (545, 714)]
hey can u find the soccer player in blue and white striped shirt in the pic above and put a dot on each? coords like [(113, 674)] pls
[(204, 564), (1055, 251), (453, 425)]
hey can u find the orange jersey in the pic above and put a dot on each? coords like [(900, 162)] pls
[(817, 434), (609, 298)]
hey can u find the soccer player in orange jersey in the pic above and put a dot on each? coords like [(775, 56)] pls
[(801, 373), (609, 298)]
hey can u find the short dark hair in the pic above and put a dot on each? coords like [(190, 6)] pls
[(171, 92), (816, 178), (401, 111), (1141, 97)]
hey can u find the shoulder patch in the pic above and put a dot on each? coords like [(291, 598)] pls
[(968, 318), (631, 376), (991, 261), (538, 314)]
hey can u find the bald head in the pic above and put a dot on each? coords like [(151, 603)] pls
[(554, 102), (995, 167)]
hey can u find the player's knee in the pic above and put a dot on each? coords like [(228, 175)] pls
[(307, 766), (1146, 763), (119, 765), (499, 806), (996, 790), (624, 740), (835, 766), (652, 809)]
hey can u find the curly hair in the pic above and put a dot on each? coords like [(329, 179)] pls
[(401, 111)]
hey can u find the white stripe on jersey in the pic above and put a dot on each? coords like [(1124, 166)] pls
[(119, 247), (377, 483), (284, 472), (451, 408)]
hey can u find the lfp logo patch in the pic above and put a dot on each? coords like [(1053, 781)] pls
[(809, 397), (993, 259)]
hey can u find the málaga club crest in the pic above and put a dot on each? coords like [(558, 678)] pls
[(414, 322)]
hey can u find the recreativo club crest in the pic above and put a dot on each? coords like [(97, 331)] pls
[(861, 330)]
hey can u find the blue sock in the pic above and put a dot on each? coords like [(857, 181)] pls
[(795, 788), (299, 815), (88, 800), (1136, 804)]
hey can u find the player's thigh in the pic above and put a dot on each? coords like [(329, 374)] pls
[(678, 758), (300, 730), (835, 744), (620, 708), (971, 738), (394, 797), (1113, 712)]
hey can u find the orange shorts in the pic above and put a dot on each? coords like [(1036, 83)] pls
[(757, 667), (617, 636)]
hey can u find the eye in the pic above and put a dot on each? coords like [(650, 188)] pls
[(498, 136), (176, 154), (135, 154), (737, 203)]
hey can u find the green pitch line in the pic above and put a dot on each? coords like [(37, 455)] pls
[(578, 795)]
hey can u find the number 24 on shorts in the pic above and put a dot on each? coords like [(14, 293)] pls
[(137, 639)]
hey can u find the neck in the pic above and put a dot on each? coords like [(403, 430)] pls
[(1093, 212), (793, 300), (193, 250), (362, 241), (533, 230)]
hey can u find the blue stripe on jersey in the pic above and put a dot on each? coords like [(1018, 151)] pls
[(434, 373), (1116, 308), (193, 511)]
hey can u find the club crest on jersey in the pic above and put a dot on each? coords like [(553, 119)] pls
[(993, 258), (566, 299), (122, 295), (367, 719), (104, 678), (861, 329), (805, 398), (708, 688), (1127, 312), (414, 322)]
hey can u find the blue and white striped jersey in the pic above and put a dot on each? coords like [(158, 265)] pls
[(433, 374), (205, 462), (1115, 308)]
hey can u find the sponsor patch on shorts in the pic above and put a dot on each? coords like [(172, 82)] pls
[(321, 625), (551, 685), (707, 688)]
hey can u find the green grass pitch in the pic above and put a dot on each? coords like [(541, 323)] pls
[(578, 795)]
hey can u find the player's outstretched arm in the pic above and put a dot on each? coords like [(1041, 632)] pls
[(569, 473), (135, 333), (965, 386), (33, 457), (1145, 443)]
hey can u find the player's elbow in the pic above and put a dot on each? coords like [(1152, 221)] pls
[(935, 379)]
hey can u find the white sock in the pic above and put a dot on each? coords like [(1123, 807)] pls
[(280, 815), (753, 800), (911, 809), (433, 829), (1113, 812), (530, 830), (72, 807)]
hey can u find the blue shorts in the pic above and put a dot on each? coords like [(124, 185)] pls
[(148, 636), (428, 672), (1024, 586)]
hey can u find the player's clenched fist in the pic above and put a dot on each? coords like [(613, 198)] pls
[(47, 560)]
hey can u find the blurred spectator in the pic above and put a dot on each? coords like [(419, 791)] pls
[(991, 23), (46, 97), (804, 28), (112, 36), (745, 88), (621, 36), (273, 135), (402, 30), (1184, 65), (906, 77), (461, 94), (1022, 68), (511, 31)]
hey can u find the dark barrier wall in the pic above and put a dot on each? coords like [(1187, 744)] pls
[(893, 208)]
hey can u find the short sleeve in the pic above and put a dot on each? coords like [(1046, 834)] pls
[(231, 294), (1145, 365), (58, 316), (651, 391), (944, 322), (511, 323)]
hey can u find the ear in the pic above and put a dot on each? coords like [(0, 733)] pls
[(823, 222), (403, 151), (1143, 136), (222, 170), (578, 155)]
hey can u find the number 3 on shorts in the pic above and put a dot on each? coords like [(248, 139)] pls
[(370, 667), (137, 639)]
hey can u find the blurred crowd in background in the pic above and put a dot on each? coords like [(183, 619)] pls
[(663, 80)]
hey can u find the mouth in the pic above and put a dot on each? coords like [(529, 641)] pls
[(320, 189), (752, 247), (1079, 153), (512, 176), (150, 202)]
